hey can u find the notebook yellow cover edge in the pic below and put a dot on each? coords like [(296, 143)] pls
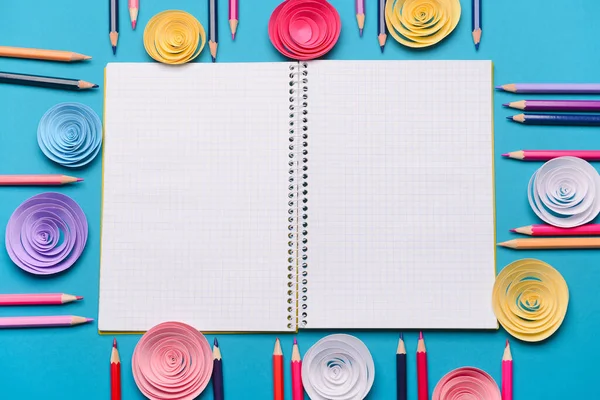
[(494, 185)]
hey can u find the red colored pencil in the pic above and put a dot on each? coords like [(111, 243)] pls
[(545, 155), (507, 372), (278, 386), (297, 389), (115, 373), (422, 385), (549, 230)]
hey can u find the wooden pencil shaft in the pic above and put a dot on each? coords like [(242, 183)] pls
[(40, 81), (40, 54), (113, 15)]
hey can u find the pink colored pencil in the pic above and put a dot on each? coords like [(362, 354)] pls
[(507, 373), (422, 381), (549, 230), (42, 299), (42, 322), (134, 9), (233, 17), (360, 15), (37, 180), (545, 155), (297, 388)]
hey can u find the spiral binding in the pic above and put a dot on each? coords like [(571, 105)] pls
[(297, 291)]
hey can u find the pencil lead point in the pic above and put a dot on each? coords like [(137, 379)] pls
[(506, 104), (360, 32), (507, 344), (89, 320), (421, 335), (79, 179), (233, 36), (114, 50), (476, 46), (499, 87), (382, 47), (133, 24), (94, 86), (513, 230), (505, 155), (79, 297), (295, 341), (401, 336), (216, 342), (213, 59), (87, 57), (509, 118), (115, 343), (277, 339)]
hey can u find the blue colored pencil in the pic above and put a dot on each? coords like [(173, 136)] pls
[(557, 119), (381, 27), (217, 375), (401, 370), (476, 22)]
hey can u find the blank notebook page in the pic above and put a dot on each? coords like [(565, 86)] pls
[(401, 217), (194, 224)]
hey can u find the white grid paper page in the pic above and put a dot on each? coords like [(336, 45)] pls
[(194, 224), (401, 218)]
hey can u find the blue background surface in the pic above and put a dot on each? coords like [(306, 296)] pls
[(533, 40)]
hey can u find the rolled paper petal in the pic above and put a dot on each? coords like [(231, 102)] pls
[(565, 192), (304, 29), (174, 37), (338, 367), (70, 134), (466, 383), (172, 361), (530, 299), (46, 234), (421, 23)]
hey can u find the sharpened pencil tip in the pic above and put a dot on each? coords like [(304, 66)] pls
[(360, 32), (499, 87), (115, 343), (507, 344), (506, 104), (505, 155), (213, 59), (87, 57), (79, 179), (513, 230), (89, 320), (295, 341), (94, 86), (421, 335), (381, 47), (401, 336), (509, 118), (79, 297), (216, 342), (133, 24), (233, 36), (476, 46)]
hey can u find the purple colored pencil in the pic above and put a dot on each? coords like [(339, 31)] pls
[(360, 15), (217, 375), (557, 119), (552, 88), (555, 105)]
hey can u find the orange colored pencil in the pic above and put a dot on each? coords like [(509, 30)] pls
[(278, 385), (40, 54), (115, 373), (297, 388), (553, 243)]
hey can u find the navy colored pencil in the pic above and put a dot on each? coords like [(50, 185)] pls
[(557, 119), (401, 370), (476, 22), (381, 27), (213, 28), (45, 81), (217, 375), (113, 23)]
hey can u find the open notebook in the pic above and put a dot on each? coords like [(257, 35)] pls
[(278, 196)]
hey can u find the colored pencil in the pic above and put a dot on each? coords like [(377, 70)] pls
[(545, 155), (134, 9), (555, 105), (37, 180), (360, 16), (507, 372), (422, 384), (551, 88), (42, 322), (476, 22), (278, 385), (40, 54), (401, 388), (45, 81), (381, 27), (552, 243), (234, 18), (217, 375), (113, 23), (213, 28), (41, 299), (557, 119), (297, 388), (549, 230), (115, 372)]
